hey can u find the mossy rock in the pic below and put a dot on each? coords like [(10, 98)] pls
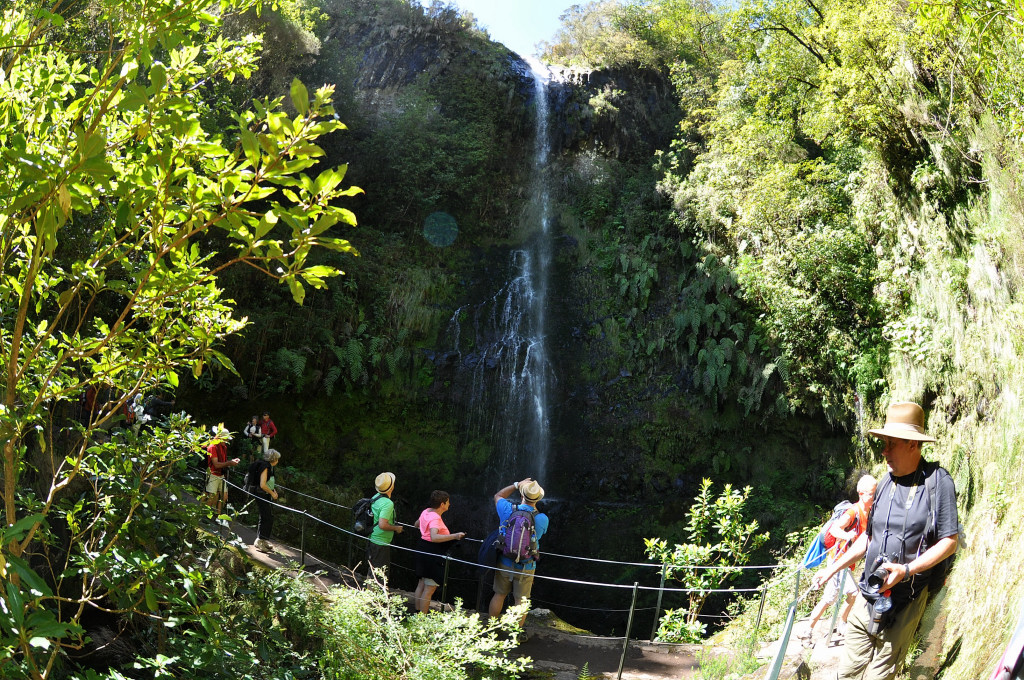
[(548, 620)]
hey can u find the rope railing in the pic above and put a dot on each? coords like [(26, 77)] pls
[(557, 579), (661, 589), (582, 558)]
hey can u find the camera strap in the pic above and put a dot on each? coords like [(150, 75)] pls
[(906, 514)]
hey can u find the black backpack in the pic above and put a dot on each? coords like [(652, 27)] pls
[(252, 477), (362, 515)]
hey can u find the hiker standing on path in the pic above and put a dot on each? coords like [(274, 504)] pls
[(435, 539), (515, 521), (218, 464), (378, 549), (253, 433), (267, 431), (846, 530), (265, 493), (912, 529)]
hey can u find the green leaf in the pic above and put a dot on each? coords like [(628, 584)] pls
[(151, 600), (129, 69), (300, 97), (298, 291), (250, 145), (157, 76)]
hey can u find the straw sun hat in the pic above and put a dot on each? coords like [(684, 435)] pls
[(904, 420), (531, 491), (384, 482)]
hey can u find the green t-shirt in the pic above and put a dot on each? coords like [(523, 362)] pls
[(382, 507)]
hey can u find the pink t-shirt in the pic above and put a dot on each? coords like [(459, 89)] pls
[(429, 518)]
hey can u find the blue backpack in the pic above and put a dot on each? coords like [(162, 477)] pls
[(517, 535)]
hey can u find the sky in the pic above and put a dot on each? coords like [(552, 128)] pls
[(518, 24)]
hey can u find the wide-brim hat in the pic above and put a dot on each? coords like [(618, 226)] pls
[(904, 420), (385, 482), (220, 432), (531, 491)]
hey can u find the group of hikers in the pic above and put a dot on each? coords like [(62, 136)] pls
[(260, 460), (516, 540), (905, 527)]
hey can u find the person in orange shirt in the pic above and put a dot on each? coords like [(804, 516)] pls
[(846, 529)]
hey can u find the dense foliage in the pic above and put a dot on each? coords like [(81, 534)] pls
[(110, 187)]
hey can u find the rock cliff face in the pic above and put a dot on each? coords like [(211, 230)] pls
[(622, 113)]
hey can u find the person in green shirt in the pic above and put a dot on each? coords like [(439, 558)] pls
[(378, 550)]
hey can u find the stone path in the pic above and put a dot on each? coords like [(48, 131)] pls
[(817, 661)]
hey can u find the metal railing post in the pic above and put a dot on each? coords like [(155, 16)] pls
[(776, 668), (657, 608), (629, 625), (757, 621), (302, 541), (444, 588), (840, 600)]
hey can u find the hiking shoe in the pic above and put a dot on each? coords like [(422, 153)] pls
[(804, 634), (263, 546)]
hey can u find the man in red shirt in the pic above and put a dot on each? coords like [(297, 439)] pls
[(268, 430), (846, 529), (217, 462)]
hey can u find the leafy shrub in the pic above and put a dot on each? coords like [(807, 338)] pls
[(677, 626)]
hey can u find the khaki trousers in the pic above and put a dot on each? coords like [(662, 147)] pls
[(869, 657)]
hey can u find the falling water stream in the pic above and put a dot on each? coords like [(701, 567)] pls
[(502, 341)]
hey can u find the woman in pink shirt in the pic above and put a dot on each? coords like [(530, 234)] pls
[(434, 542)]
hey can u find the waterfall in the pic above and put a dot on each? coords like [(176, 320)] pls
[(501, 343), (859, 401)]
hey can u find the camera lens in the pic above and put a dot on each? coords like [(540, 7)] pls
[(877, 578)]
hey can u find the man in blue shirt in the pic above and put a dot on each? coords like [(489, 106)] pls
[(512, 575)]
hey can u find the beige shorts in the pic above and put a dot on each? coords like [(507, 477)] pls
[(216, 485), (520, 584), (832, 587)]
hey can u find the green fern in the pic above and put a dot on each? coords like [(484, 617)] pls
[(331, 377)]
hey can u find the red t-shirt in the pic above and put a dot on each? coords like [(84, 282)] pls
[(218, 452)]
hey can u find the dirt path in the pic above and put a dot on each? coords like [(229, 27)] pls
[(564, 656)]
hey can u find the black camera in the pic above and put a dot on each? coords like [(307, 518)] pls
[(878, 573)]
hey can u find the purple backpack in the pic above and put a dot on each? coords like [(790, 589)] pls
[(517, 536)]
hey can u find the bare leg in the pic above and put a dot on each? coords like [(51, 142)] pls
[(819, 609), (428, 593), (497, 602), (418, 594), (845, 614)]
